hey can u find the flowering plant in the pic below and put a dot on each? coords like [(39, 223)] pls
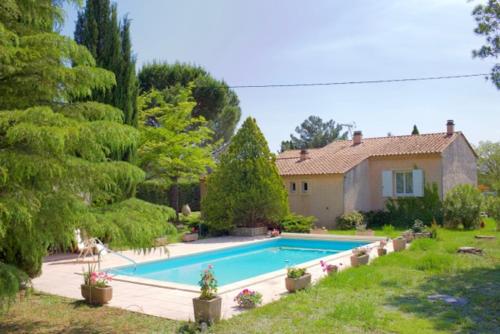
[(329, 268), (96, 278), (275, 233), (208, 284), (248, 298)]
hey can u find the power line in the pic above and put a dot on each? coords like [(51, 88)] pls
[(459, 76)]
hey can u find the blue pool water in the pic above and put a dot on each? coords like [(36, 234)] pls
[(238, 263)]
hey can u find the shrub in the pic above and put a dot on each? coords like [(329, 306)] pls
[(462, 207), (418, 226), (491, 205), (245, 189), (376, 219), (350, 220), (403, 211), (297, 224)]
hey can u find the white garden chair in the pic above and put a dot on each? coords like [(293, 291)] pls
[(88, 246)]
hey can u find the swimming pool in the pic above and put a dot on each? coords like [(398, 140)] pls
[(237, 263)]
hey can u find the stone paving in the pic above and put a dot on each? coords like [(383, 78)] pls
[(61, 275)]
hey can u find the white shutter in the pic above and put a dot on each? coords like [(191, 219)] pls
[(418, 182), (387, 183)]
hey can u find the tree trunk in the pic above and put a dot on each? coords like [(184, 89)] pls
[(176, 199)]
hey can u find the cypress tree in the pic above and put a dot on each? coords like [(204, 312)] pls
[(415, 130), (99, 29), (245, 189)]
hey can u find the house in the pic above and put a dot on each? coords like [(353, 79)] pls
[(362, 173)]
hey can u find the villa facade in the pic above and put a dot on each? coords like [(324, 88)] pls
[(362, 173)]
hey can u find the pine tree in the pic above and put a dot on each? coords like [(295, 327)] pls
[(98, 29), (215, 101), (59, 160), (415, 130), (245, 189), (314, 133)]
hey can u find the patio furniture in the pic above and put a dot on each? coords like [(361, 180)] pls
[(86, 246)]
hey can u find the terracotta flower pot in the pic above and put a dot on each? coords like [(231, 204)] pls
[(381, 251), (208, 311), (408, 236), (294, 284), (357, 261), (188, 237), (399, 244), (95, 295)]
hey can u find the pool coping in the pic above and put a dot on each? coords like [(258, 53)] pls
[(256, 279)]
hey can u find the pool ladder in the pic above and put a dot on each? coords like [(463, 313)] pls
[(104, 248)]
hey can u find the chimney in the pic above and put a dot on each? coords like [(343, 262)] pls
[(450, 127), (356, 138), (304, 154)]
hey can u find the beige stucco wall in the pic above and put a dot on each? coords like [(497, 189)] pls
[(459, 165), (324, 200), (357, 193), (429, 163)]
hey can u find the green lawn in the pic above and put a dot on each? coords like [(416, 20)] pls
[(389, 296)]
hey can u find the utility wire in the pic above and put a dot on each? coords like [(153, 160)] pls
[(459, 76)]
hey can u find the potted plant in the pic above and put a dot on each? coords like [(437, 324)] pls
[(297, 279), (360, 256), (420, 230), (207, 307), (248, 298), (399, 244), (95, 288), (329, 269), (381, 248), (190, 236)]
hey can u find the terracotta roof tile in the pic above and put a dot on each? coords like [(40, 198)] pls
[(340, 156)]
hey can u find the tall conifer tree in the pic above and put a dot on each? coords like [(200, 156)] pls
[(99, 29)]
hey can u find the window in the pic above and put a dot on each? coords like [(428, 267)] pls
[(293, 187), (408, 183), (404, 183), (305, 187)]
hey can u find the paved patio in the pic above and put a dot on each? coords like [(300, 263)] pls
[(60, 276)]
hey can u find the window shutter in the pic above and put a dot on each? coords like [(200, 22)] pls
[(387, 183), (418, 182)]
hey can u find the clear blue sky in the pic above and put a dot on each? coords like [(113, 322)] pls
[(262, 42)]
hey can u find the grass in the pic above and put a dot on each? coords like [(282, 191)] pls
[(42, 313), (387, 231), (389, 296)]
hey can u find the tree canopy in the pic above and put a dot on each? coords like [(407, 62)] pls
[(245, 189), (487, 17), (59, 159), (489, 164), (98, 29), (173, 143), (215, 101), (314, 133)]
